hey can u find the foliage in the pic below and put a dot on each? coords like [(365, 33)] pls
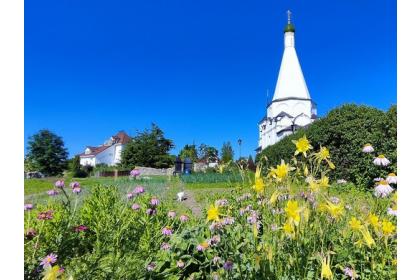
[(345, 130), (227, 152), (30, 165), (189, 151), (208, 153), (77, 170), (149, 148), (46, 151)]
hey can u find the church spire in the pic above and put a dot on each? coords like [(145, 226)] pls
[(289, 27)]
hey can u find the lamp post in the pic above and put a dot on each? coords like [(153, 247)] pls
[(239, 143)]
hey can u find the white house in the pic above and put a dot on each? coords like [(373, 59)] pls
[(109, 153), (291, 106)]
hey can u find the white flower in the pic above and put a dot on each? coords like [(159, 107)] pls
[(383, 189), (392, 212), (341, 181), (381, 160), (378, 179), (368, 148), (392, 178)]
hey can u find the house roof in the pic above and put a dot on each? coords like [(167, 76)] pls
[(94, 151), (120, 138)]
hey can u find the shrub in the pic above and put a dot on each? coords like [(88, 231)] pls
[(345, 130)]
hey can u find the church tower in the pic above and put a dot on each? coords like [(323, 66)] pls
[(291, 107)]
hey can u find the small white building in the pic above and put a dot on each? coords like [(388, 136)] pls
[(109, 153), (291, 107)]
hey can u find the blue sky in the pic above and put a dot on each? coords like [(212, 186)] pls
[(199, 69)]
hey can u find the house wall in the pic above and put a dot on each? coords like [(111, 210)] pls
[(118, 150), (106, 156), (87, 161)]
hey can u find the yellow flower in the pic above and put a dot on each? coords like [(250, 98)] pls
[(394, 262), (289, 229), (306, 214), (292, 211), (274, 197), (325, 269), (280, 172), (313, 186), (324, 182), (373, 220), (335, 211), (302, 145), (213, 213), (259, 182), (367, 237), (52, 273), (355, 224), (204, 244), (323, 153), (387, 227)]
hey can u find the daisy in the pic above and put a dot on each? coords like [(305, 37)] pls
[(368, 148), (392, 178), (392, 212), (48, 260), (381, 160), (382, 189)]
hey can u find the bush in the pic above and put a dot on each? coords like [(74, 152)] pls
[(344, 131)]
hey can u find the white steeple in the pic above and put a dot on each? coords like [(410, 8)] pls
[(290, 82)]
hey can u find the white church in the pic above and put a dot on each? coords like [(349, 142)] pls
[(291, 107)]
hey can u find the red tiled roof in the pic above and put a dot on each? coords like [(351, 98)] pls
[(94, 151), (122, 138)]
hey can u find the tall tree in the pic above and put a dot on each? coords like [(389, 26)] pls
[(227, 152), (149, 148), (46, 151), (189, 151), (208, 153)]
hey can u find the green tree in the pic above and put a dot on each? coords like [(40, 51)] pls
[(77, 169), (149, 148), (227, 152), (189, 151), (208, 153), (46, 151)]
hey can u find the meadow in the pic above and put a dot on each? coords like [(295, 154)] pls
[(284, 222)]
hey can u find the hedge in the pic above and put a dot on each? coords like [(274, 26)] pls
[(344, 131)]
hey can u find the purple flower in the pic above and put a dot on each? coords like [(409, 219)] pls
[(335, 200), (167, 231), (242, 211), (134, 173), (221, 202), (47, 215), (59, 184), (48, 260), (77, 190), (52, 192), (228, 221), (130, 195), (80, 228), (180, 264), (151, 266), (171, 214), (253, 218), (349, 272), (215, 226), (30, 234), (274, 227), (214, 240), (74, 185), (138, 190), (183, 218), (28, 207), (151, 212), (135, 207), (154, 201), (165, 246), (228, 265)]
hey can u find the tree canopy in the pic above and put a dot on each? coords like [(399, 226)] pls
[(227, 152), (47, 153)]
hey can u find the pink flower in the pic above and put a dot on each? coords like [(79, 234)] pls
[(135, 207), (28, 207), (154, 201), (134, 173), (383, 189), (183, 218), (48, 260), (180, 264), (228, 221), (167, 231), (368, 148), (74, 185), (221, 202), (165, 246), (80, 228), (138, 190), (151, 266), (52, 192), (392, 212), (171, 214), (130, 195), (30, 234), (77, 190), (59, 184), (151, 212), (47, 215)]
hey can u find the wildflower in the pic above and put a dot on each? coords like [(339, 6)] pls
[(335, 211), (74, 185), (355, 224), (341, 181), (171, 214), (280, 172), (381, 160), (253, 219), (59, 184), (392, 212), (47, 215), (274, 197), (259, 185), (213, 213), (289, 229), (80, 228), (214, 240), (183, 218), (373, 220), (367, 237), (48, 260), (151, 266), (134, 173), (313, 186), (165, 246), (151, 212), (135, 207), (335, 200), (28, 207), (52, 273), (274, 227), (325, 269), (154, 201), (180, 264), (30, 234), (228, 221), (221, 202), (52, 192), (202, 246), (217, 259), (292, 211), (167, 231), (378, 179), (391, 178), (324, 182), (383, 189), (349, 272), (228, 265), (77, 190), (324, 154), (387, 228), (130, 195), (302, 145), (368, 148), (138, 190), (215, 226)]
